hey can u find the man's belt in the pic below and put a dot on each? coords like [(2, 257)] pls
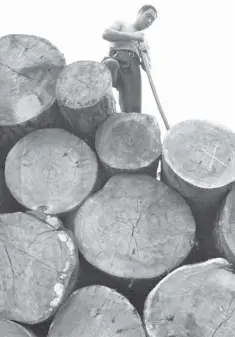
[(131, 53)]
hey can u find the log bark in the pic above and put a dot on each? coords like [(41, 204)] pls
[(194, 301), (39, 260), (224, 237), (84, 94), (199, 161), (97, 311), (135, 227), (51, 170), (12, 329), (29, 67), (129, 142)]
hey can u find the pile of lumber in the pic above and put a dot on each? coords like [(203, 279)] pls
[(93, 241)]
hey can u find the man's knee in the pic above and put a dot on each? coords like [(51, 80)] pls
[(113, 66)]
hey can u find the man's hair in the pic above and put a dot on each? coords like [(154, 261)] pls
[(145, 8)]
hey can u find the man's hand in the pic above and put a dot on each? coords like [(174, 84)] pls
[(143, 47), (138, 36)]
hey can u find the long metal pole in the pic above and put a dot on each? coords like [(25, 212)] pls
[(145, 61)]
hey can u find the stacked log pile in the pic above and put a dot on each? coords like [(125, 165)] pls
[(92, 241)]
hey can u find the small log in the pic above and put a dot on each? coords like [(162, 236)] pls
[(38, 260), (194, 300), (199, 161), (12, 329), (224, 236), (29, 67), (51, 170), (129, 142), (84, 94), (97, 311)]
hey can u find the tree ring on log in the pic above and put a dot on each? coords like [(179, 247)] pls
[(194, 300), (12, 329), (37, 263), (135, 227), (29, 67), (97, 309), (51, 169), (83, 84), (129, 141), (201, 153)]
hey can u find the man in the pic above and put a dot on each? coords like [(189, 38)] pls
[(124, 57)]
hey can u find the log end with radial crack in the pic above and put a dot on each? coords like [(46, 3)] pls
[(135, 227), (37, 263), (97, 311), (51, 170), (194, 300)]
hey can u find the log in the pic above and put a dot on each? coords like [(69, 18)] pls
[(84, 95), (51, 170), (130, 233), (38, 260), (129, 142), (12, 329), (199, 161), (97, 311), (223, 234), (194, 300), (29, 67)]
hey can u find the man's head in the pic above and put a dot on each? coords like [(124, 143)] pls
[(146, 15)]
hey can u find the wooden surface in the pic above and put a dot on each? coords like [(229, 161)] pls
[(199, 160), (97, 311), (51, 170), (135, 227), (37, 262), (12, 329), (194, 301), (84, 94), (129, 142), (29, 67)]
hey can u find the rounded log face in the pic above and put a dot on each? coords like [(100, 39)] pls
[(199, 159), (84, 94), (223, 233), (37, 261), (29, 67), (194, 301), (12, 329), (129, 141), (97, 311), (135, 227), (51, 170)]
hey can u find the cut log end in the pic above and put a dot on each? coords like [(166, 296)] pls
[(29, 67), (129, 141), (51, 170), (83, 84), (96, 311), (37, 266), (201, 153), (12, 329), (135, 227), (195, 300)]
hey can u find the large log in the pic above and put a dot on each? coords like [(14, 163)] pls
[(199, 161), (38, 263), (194, 301), (29, 67), (224, 236), (97, 311), (129, 142), (84, 94), (133, 230), (51, 170), (12, 329)]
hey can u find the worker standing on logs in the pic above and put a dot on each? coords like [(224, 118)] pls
[(124, 57)]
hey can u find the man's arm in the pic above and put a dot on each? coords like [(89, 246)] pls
[(114, 33)]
